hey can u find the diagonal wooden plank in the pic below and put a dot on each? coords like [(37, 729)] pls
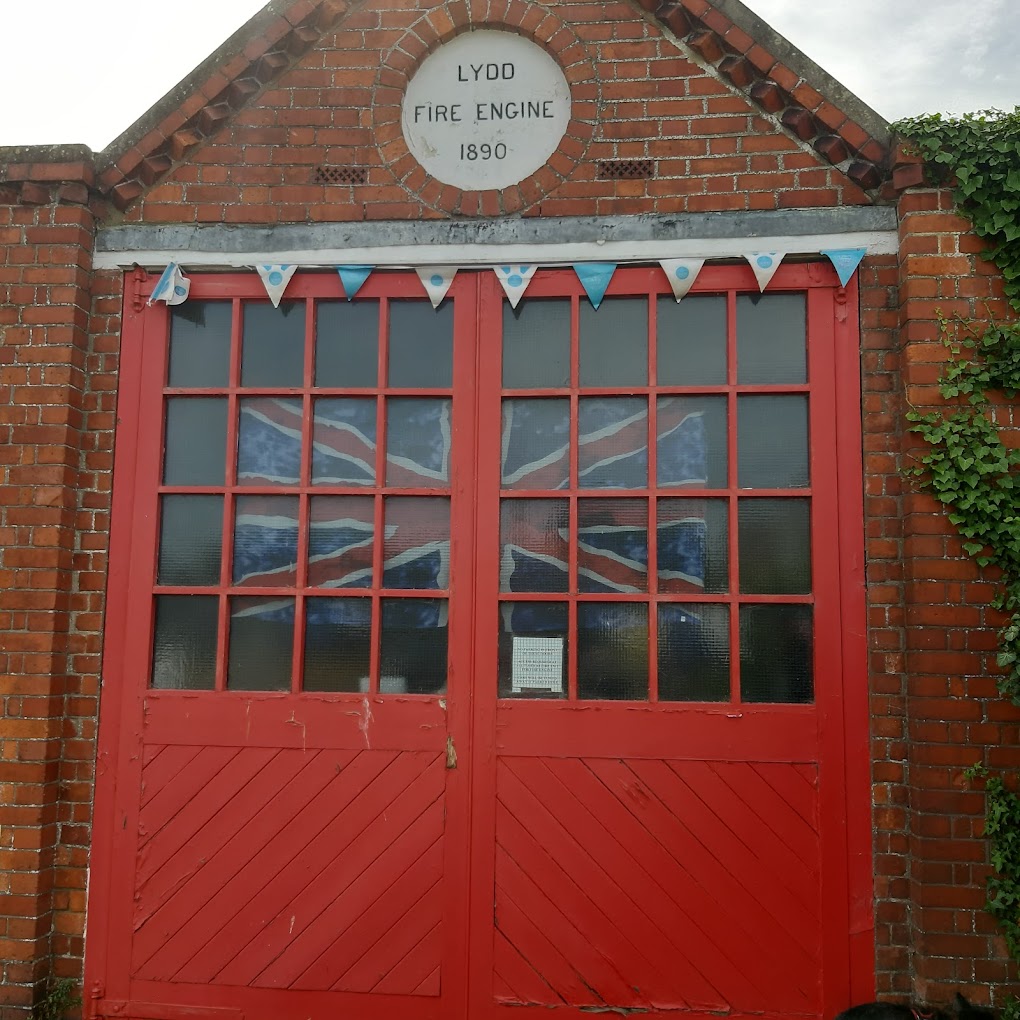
[(246, 946), (414, 970), (164, 768), (563, 889), (690, 831), (596, 970), (790, 787), (692, 918), (187, 924), (367, 887), (431, 985), (176, 793), (525, 983), (216, 795), (203, 848), (650, 919)]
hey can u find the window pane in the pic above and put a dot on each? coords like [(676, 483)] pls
[(196, 441), (200, 344), (536, 444), (265, 541), (775, 546), (776, 654), (273, 351), (694, 652), (533, 541), (417, 549), (347, 343), (413, 652), (691, 449), (261, 644), (191, 540), (269, 442), (340, 541), (418, 443), (612, 651), (536, 345), (338, 644), (692, 341), (343, 441), (772, 442), (612, 545), (693, 545), (184, 648), (771, 338), (421, 344), (614, 343), (533, 650), (612, 443)]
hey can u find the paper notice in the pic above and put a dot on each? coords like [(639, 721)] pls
[(537, 665)]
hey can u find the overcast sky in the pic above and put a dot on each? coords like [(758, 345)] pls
[(84, 70)]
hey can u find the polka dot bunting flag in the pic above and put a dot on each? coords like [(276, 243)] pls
[(276, 279), (172, 287), (681, 274), (437, 281), (515, 280), (764, 265)]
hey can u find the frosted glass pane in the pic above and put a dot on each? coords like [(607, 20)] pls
[(340, 541), (344, 441), (418, 439), (200, 344), (692, 341), (613, 443), (265, 541), (614, 343), (776, 649), (184, 647), (414, 646), (347, 343), (533, 645), (771, 338), (261, 644), (196, 441), (612, 651), (416, 553), (421, 344), (694, 652), (772, 442), (269, 441), (693, 545), (338, 644), (536, 444), (775, 546), (536, 344), (273, 346), (691, 450), (191, 540), (534, 550), (612, 545)]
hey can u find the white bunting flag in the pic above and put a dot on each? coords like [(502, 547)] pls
[(595, 278), (436, 280), (681, 274), (276, 279), (172, 287), (353, 278), (845, 261), (764, 264), (515, 280)]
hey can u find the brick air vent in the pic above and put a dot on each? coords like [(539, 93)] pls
[(626, 169), (340, 175)]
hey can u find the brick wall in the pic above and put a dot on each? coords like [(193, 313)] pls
[(48, 659)]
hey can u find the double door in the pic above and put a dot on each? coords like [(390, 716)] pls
[(472, 660)]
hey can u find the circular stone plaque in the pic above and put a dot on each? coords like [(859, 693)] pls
[(485, 110)]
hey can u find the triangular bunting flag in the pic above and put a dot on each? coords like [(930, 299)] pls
[(276, 279), (515, 280), (353, 278), (595, 277), (437, 281), (764, 264), (172, 287), (845, 261), (681, 274)]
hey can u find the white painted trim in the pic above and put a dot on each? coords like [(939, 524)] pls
[(403, 256)]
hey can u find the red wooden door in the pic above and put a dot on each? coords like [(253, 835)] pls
[(476, 660)]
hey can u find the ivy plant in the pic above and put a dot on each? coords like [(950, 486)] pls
[(966, 465)]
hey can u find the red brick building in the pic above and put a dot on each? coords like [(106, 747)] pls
[(361, 655)]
